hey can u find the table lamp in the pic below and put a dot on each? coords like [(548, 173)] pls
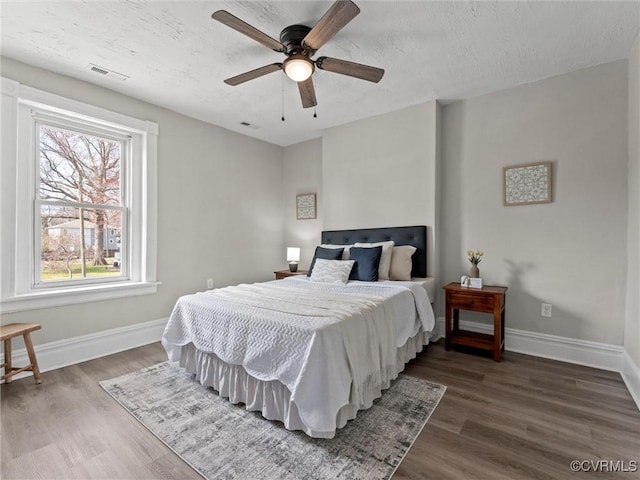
[(293, 257)]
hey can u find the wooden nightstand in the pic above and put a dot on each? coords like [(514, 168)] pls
[(280, 274), (488, 299)]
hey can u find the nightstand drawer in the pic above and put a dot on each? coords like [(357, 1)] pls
[(476, 303)]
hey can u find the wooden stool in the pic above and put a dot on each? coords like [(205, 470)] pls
[(7, 332)]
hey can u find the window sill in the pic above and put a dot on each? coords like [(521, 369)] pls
[(75, 295)]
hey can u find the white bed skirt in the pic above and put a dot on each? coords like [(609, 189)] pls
[(272, 398)]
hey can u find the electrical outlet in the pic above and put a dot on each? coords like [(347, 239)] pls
[(209, 283), (546, 310)]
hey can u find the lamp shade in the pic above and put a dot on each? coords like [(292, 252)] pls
[(298, 67), (293, 254)]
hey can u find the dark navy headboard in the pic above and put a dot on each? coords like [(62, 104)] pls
[(416, 236)]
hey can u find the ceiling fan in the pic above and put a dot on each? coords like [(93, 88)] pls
[(300, 43)]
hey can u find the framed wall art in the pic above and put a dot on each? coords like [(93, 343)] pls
[(527, 184), (306, 206)]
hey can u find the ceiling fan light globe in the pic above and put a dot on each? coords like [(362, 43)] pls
[(298, 68)]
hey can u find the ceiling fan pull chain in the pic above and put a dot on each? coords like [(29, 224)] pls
[(315, 107), (282, 78)]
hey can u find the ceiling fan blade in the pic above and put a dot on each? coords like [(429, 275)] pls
[(307, 93), (258, 72), (352, 69), (338, 15), (243, 27)]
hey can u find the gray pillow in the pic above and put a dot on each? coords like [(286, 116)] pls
[(327, 254)]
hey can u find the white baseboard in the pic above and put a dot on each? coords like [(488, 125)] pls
[(571, 350), (631, 375), (74, 350)]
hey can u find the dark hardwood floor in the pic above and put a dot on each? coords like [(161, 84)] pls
[(525, 417)]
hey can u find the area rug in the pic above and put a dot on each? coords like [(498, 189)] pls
[(222, 440)]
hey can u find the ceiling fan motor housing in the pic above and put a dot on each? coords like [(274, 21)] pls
[(291, 38)]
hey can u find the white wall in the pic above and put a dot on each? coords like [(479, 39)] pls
[(632, 321), (302, 173), (219, 213), (571, 252), (381, 172)]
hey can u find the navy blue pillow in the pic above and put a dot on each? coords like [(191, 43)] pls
[(367, 263), (326, 254)]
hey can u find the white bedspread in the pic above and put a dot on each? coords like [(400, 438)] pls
[(314, 338)]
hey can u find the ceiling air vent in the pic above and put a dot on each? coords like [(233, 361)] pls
[(247, 124), (106, 72)]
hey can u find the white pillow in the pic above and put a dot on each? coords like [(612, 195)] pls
[(332, 271), (385, 258), (401, 263), (345, 253)]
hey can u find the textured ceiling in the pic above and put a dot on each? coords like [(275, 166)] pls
[(176, 56)]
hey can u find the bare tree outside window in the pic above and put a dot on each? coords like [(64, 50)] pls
[(80, 195)]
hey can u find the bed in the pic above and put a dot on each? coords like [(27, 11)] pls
[(308, 353)]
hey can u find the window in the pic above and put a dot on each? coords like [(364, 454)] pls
[(78, 202), (79, 196)]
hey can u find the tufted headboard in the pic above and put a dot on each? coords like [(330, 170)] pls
[(416, 236)]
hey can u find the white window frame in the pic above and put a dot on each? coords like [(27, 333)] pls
[(18, 222)]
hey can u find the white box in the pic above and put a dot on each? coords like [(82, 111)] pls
[(467, 281)]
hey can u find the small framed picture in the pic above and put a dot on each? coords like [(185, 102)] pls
[(306, 206), (527, 184)]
